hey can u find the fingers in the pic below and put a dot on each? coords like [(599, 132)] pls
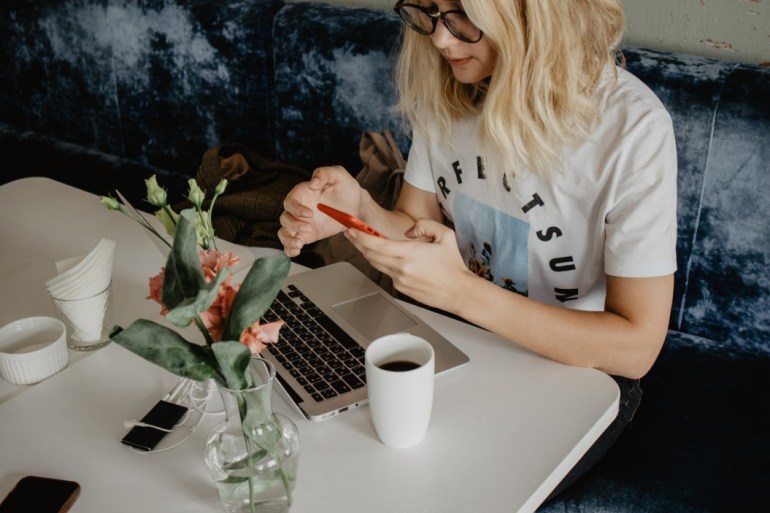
[(294, 234), (296, 218), (427, 230), (299, 224), (327, 176), (376, 250), (302, 199), (297, 203), (292, 246), (427, 241)]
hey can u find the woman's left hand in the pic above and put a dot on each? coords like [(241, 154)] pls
[(428, 267)]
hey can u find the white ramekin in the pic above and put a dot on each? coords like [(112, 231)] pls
[(32, 349)]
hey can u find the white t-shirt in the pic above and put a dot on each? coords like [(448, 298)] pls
[(611, 210)]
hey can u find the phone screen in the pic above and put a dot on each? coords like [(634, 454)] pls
[(41, 495)]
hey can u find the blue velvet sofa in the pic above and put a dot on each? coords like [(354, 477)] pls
[(102, 93)]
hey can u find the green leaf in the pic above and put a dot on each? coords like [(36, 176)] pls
[(166, 348), (256, 294), (182, 315), (183, 277), (234, 359)]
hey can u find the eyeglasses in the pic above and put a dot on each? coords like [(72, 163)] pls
[(423, 20)]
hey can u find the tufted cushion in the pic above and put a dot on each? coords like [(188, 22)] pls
[(333, 81), (728, 293), (155, 81)]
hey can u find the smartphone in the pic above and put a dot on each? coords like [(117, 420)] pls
[(41, 495), (348, 220), (158, 422)]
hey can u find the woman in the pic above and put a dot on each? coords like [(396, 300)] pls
[(540, 192)]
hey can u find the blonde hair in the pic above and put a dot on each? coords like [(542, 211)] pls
[(550, 58)]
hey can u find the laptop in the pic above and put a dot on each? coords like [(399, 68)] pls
[(332, 313)]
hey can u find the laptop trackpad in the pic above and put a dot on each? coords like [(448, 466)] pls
[(373, 316)]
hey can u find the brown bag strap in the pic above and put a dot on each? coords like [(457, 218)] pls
[(383, 167), (381, 150)]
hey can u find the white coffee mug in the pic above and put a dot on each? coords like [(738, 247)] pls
[(399, 380)]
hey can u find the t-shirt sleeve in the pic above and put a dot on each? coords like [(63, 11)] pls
[(418, 168), (641, 230)]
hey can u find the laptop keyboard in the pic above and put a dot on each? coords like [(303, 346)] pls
[(320, 356)]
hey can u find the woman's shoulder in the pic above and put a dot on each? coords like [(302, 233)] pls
[(621, 89), (632, 120), (626, 104)]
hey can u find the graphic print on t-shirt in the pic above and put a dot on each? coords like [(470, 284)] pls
[(483, 233)]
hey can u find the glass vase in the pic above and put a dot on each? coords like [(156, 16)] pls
[(254, 454)]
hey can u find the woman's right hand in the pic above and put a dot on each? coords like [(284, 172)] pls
[(302, 223)]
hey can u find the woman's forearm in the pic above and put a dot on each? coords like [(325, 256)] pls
[(623, 341)]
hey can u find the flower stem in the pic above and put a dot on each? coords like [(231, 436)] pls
[(242, 410), (170, 213), (147, 226), (203, 329), (209, 220), (206, 235), (286, 485)]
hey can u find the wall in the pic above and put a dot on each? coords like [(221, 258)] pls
[(731, 30)]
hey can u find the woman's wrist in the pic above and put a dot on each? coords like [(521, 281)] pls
[(460, 297), (365, 206)]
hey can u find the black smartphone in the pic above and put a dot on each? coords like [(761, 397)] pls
[(156, 424), (33, 494)]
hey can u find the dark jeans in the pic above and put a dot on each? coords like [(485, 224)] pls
[(630, 396)]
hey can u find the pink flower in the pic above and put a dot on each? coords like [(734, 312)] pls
[(213, 261), (156, 289), (214, 318), (255, 337)]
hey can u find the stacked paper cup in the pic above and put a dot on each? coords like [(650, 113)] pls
[(81, 294)]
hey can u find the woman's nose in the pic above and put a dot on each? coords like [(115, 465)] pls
[(442, 38)]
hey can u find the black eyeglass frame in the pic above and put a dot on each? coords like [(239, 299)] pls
[(434, 16)]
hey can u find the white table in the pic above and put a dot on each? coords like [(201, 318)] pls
[(505, 428)]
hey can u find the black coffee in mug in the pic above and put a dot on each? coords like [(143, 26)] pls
[(399, 366)]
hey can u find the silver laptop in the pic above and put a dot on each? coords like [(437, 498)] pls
[(332, 313)]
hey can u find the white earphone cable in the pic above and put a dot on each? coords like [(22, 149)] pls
[(189, 393)]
